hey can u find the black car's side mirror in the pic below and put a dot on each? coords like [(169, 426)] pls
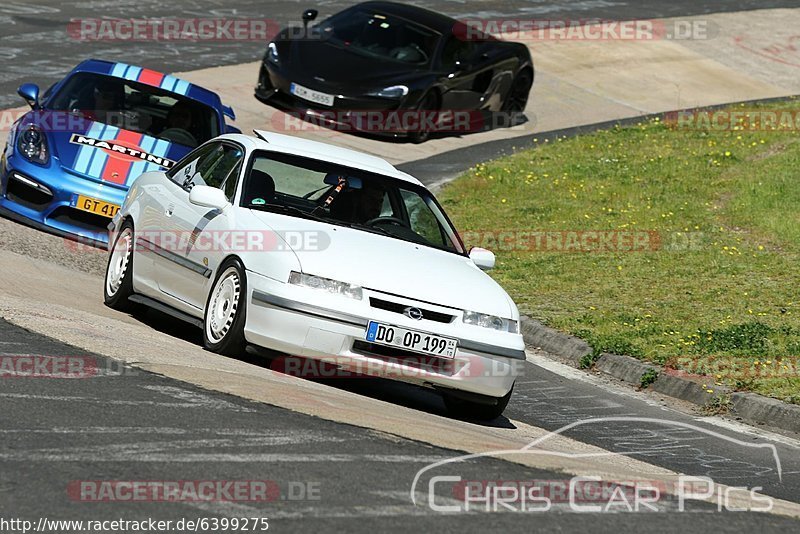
[(30, 92), (308, 16)]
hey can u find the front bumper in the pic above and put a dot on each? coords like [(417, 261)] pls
[(348, 114), (301, 322), (48, 206)]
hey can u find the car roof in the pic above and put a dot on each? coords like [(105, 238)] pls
[(288, 144), (433, 20), (167, 82)]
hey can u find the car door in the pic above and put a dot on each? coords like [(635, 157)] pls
[(474, 69), (183, 270), (463, 86)]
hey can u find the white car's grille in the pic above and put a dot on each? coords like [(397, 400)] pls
[(396, 307)]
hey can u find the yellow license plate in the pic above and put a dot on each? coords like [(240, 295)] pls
[(97, 207)]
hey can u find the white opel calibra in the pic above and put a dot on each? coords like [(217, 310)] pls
[(319, 252)]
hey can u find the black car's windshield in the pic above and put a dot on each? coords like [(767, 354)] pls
[(381, 36), (137, 107), (368, 202)]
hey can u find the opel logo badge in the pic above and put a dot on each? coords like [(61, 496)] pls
[(413, 313)]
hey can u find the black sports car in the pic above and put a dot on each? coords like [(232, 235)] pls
[(394, 69)]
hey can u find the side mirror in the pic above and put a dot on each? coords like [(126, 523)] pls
[(308, 16), (30, 92), (208, 197), (483, 258)]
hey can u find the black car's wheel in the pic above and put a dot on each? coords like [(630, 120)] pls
[(119, 271), (226, 310), (464, 409), (517, 97), (428, 105), (264, 88)]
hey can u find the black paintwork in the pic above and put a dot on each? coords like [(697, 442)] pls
[(480, 80)]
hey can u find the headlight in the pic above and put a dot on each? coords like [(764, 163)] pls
[(395, 91), (490, 321), (325, 284), (32, 144), (272, 53)]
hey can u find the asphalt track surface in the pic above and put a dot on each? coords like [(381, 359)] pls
[(35, 45), (126, 424)]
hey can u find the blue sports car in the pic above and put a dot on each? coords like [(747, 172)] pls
[(69, 161)]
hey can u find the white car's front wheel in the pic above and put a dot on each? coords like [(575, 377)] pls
[(223, 326), (119, 271)]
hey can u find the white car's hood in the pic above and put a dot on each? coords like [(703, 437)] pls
[(382, 263)]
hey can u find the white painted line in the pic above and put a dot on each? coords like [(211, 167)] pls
[(736, 426), (198, 399), (137, 456), (194, 403), (610, 386)]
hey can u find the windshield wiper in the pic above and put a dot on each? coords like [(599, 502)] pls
[(288, 210), (375, 229)]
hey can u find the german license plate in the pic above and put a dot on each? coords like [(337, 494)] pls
[(95, 206), (312, 96), (413, 340)]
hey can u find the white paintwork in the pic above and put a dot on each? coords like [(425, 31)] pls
[(483, 258), (391, 269), (208, 197)]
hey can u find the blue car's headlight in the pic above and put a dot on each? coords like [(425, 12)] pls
[(272, 53), (395, 91), (32, 144), (490, 321)]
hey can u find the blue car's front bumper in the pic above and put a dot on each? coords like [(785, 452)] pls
[(44, 197)]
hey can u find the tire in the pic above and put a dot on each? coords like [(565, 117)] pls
[(464, 409), (118, 284), (429, 102), (517, 98), (226, 311)]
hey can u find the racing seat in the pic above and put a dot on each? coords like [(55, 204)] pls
[(343, 207), (261, 186)]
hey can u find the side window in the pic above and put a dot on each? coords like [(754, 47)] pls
[(423, 221), (217, 165), (455, 50), (186, 168), (229, 184), (214, 165)]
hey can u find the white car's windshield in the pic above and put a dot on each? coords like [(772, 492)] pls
[(366, 201)]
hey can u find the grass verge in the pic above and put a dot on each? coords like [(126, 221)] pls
[(676, 245)]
